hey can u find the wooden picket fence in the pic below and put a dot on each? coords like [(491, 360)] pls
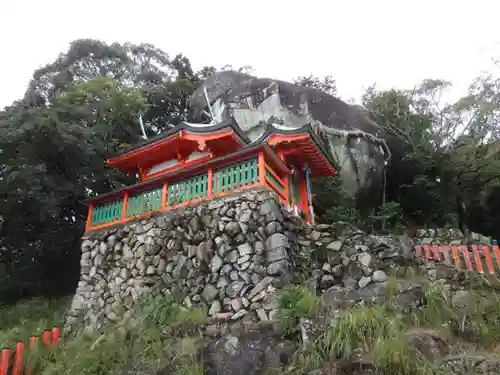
[(13, 361), (483, 259)]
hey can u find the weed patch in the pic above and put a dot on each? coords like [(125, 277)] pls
[(294, 303)]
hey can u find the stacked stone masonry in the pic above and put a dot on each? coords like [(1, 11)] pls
[(449, 236), (229, 256), (224, 254)]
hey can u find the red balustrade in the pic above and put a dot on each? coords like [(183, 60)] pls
[(17, 367), (477, 258)]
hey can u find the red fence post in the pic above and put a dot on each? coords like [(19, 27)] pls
[(46, 337), (435, 252), (488, 259), (56, 335), (477, 259), (496, 252), (33, 344), (465, 255), (427, 252), (446, 254), (4, 361), (18, 359)]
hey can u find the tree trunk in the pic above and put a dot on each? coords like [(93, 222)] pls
[(411, 228), (462, 220)]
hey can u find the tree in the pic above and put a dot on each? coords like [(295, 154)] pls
[(444, 167), (411, 178), (326, 84), (55, 140)]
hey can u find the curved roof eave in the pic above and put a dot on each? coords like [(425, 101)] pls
[(207, 128), (271, 129)]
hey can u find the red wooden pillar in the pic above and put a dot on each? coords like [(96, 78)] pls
[(89, 218), (261, 164), (210, 182), (141, 174), (304, 204), (125, 205), (164, 193)]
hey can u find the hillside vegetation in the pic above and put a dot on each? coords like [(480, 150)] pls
[(448, 333)]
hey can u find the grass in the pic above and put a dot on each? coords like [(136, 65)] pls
[(356, 329), (157, 341), (295, 302), (380, 333), (30, 317), (166, 337)]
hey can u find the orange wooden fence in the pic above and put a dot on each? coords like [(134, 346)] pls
[(13, 361), (478, 258)]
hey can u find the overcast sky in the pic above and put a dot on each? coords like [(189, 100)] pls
[(358, 42)]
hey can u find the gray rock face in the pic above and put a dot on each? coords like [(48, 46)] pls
[(246, 353), (350, 137)]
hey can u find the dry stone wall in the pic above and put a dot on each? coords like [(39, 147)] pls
[(224, 255), (339, 256), (230, 256), (449, 236)]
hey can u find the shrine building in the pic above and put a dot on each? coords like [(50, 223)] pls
[(193, 162)]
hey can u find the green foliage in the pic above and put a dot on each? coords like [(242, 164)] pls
[(393, 355), (443, 170), (295, 303), (76, 112), (377, 332), (156, 342), (357, 329), (163, 312), (483, 317), (437, 307), (342, 207)]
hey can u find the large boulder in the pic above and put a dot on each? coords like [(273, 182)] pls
[(352, 139), (247, 353)]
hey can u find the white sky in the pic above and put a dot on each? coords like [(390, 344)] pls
[(358, 42)]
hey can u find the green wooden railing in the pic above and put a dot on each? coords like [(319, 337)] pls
[(144, 202), (106, 213), (194, 188), (184, 191), (235, 176)]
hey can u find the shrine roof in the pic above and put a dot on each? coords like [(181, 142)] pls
[(304, 145), (229, 124), (304, 132)]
